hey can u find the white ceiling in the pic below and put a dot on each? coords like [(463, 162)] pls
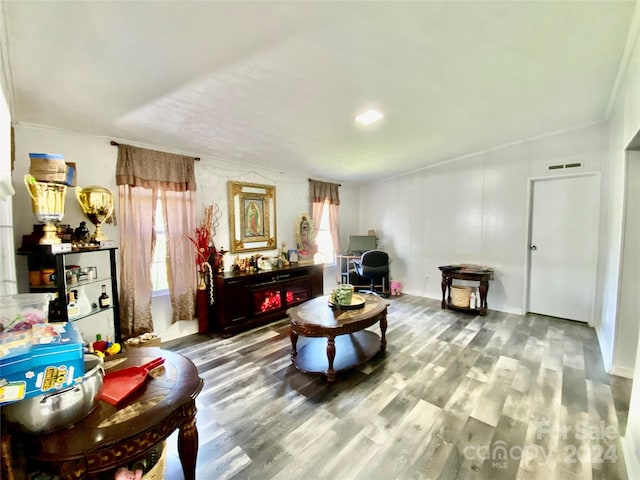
[(277, 84)]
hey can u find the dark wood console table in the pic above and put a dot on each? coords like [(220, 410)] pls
[(248, 299), (466, 272), (111, 437)]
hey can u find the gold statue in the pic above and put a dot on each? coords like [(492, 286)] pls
[(47, 203), (97, 205)]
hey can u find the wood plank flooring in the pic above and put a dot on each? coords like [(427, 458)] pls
[(455, 396)]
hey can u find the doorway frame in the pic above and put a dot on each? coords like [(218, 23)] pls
[(527, 251), (620, 297)]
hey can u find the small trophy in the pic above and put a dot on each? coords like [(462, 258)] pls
[(47, 203), (97, 205)]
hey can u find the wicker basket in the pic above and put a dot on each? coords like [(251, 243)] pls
[(460, 296), (157, 471)]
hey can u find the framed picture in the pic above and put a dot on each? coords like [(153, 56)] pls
[(252, 217), (293, 256)]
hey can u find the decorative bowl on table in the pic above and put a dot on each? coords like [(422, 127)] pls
[(343, 297)]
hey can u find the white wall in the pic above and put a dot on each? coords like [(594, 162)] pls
[(96, 163), (624, 126), (628, 328), (471, 210)]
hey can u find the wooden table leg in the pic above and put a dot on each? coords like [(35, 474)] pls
[(7, 457), (482, 290), (331, 355), (188, 446), (294, 341), (383, 331), (443, 284)]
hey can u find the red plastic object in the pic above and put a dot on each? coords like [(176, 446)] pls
[(122, 383)]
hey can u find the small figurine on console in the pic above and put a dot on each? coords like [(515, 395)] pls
[(81, 235), (284, 256)]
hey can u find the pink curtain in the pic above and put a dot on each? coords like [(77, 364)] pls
[(136, 252), (334, 225), (180, 222), (142, 175), (321, 194)]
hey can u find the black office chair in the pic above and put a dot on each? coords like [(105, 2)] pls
[(374, 265)]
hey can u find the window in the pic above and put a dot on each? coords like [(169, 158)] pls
[(326, 250), (159, 277)]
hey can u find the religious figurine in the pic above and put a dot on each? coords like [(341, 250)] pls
[(304, 238)]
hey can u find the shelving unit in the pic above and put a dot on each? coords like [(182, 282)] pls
[(41, 256)]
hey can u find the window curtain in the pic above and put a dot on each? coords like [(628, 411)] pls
[(142, 176), (137, 241), (321, 194), (178, 209)]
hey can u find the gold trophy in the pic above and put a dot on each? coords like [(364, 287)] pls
[(97, 205), (47, 203)]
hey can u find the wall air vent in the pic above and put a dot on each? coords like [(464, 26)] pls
[(561, 166)]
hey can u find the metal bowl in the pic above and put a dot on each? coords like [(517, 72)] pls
[(62, 408)]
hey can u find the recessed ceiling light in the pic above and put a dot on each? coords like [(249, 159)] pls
[(369, 117)]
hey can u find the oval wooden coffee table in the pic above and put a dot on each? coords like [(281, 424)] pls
[(348, 344)]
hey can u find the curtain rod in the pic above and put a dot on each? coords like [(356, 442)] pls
[(116, 144), (312, 180)]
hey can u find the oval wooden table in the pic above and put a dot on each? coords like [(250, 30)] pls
[(348, 344), (111, 437)]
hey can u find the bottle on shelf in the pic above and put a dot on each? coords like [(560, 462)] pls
[(104, 300), (472, 301), (83, 302), (72, 306)]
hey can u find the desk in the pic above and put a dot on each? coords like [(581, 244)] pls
[(111, 437), (345, 266), (347, 274), (354, 345), (466, 272)]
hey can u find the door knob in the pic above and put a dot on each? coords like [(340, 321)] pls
[(533, 247)]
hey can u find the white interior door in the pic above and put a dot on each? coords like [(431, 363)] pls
[(563, 247)]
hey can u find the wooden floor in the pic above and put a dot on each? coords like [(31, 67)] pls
[(455, 396)]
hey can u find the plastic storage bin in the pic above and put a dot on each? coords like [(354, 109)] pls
[(45, 358), (22, 311)]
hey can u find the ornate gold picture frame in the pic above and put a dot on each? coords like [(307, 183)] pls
[(252, 217)]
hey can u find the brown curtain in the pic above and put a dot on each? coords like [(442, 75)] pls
[(321, 194), (142, 175), (140, 167)]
